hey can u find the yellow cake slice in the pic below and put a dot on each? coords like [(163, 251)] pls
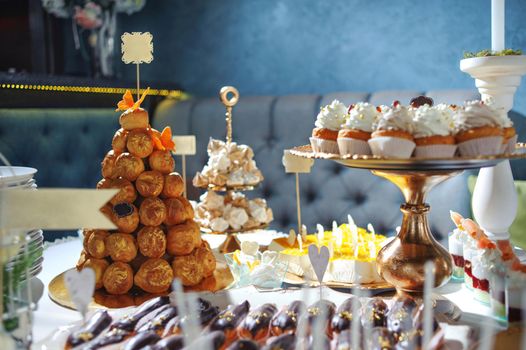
[(353, 255)]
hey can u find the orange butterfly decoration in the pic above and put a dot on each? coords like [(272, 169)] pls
[(162, 140), (127, 101)]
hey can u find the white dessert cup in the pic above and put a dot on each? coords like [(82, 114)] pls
[(391, 147), (497, 293), (479, 272), (324, 146), (350, 146), (435, 151), (482, 146)]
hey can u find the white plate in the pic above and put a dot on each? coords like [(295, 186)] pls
[(15, 174)]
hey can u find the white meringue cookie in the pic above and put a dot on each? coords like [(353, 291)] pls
[(236, 217), (218, 225)]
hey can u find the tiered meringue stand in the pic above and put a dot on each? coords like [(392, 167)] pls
[(401, 261), (229, 96)]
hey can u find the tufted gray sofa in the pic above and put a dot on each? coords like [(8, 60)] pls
[(271, 124), (66, 145)]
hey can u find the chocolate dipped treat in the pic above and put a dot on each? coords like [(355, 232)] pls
[(95, 325), (286, 320), (256, 325), (343, 318)]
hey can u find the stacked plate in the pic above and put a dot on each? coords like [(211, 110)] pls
[(21, 178)]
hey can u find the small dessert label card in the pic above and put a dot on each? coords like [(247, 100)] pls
[(319, 259), (55, 209), (137, 47), (295, 164), (80, 285), (184, 145)]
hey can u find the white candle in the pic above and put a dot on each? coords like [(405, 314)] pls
[(371, 229), (497, 25), (320, 235)]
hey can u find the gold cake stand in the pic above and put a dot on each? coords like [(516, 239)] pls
[(401, 261)]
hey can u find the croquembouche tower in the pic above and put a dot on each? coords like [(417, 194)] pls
[(157, 238)]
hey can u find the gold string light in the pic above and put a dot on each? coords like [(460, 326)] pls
[(177, 94)]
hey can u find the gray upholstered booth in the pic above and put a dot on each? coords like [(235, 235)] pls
[(271, 124), (67, 145)]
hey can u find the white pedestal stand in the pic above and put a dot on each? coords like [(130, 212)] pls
[(494, 200)]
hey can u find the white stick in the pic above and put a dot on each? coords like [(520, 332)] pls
[(355, 325), (298, 206), (192, 328), (497, 25), (487, 334), (177, 288), (429, 284), (302, 321), (183, 164), (138, 84), (318, 330)]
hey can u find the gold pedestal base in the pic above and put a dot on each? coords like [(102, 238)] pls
[(401, 261)]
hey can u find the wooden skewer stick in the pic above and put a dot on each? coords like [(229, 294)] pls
[(298, 202), (138, 82)]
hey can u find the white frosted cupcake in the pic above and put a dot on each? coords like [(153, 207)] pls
[(433, 131), (328, 123), (509, 133), (353, 137), (478, 129), (392, 136)]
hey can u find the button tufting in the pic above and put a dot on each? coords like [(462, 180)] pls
[(45, 130), (285, 221), (359, 198), (267, 192), (310, 196), (85, 129)]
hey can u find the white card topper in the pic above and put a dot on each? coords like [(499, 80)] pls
[(80, 285), (56, 209), (319, 260), (137, 47), (250, 248), (291, 239), (184, 145), (295, 164)]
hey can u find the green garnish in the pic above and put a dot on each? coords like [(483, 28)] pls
[(487, 53)]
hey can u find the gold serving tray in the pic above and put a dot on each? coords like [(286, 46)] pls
[(423, 164), (58, 292)]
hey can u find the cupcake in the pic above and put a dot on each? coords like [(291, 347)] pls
[(478, 130), (353, 137), (509, 133), (328, 123), (392, 136), (433, 129)]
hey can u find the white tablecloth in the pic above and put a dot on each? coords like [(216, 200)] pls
[(60, 257)]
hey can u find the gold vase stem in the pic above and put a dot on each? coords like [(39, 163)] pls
[(401, 262)]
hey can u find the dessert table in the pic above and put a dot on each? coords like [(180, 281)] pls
[(62, 255)]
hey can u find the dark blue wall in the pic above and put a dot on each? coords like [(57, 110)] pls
[(317, 46)]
